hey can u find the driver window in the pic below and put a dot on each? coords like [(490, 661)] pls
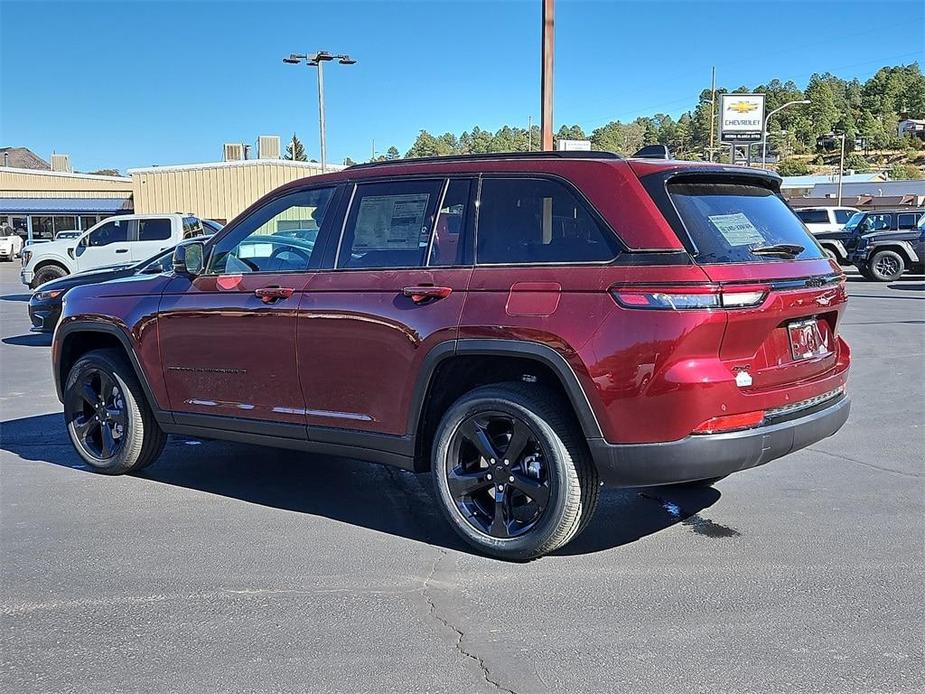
[(279, 237), (111, 232)]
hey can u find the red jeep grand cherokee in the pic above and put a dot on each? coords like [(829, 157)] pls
[(525, 327)]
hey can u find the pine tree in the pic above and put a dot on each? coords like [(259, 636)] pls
[(295, 151)]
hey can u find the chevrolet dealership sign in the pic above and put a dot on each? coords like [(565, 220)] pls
[(742, 117)]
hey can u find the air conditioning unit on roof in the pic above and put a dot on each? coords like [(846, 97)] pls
[(268, 147), (233, 151)]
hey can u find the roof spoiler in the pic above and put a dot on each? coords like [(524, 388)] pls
[(653, 152)]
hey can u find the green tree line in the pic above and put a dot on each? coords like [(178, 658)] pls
[(868, 110)]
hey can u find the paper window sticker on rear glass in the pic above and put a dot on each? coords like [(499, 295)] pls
[(390, 222), (737, 229)]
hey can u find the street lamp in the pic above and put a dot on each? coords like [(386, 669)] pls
[(764, 130), (841, 163), (317, 60)]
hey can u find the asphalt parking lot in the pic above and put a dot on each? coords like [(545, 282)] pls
[(227, 567)]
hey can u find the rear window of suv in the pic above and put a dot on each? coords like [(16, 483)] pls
[(728, 220)]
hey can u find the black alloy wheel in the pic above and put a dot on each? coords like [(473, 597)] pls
[(887, 266), (96, 410), (512, 473), (497, 474), (108, 418)]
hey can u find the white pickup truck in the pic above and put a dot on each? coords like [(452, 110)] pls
[(120, 240)]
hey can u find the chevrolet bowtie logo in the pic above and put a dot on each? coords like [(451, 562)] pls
[(743, 107)]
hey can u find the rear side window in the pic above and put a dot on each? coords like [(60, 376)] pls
[(153, 229), (842, 216), (727, 221), (908, 220), (813, 216), (389, 225), (528, 220)]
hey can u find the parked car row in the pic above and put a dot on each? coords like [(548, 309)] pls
[(882, 244), (503, 322)]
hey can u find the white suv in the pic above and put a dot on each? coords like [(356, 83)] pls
[(118, 240), (820, 219)]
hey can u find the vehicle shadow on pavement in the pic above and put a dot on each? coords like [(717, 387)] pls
[(383, 499), (29, 340)]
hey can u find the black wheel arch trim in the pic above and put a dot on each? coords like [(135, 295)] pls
[(504, 347), (65, 330), (900, 246)]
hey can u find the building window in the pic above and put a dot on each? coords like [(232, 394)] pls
[(67, 223), (42, 228), (88, 221)]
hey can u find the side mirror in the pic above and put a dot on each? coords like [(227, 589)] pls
[(188, 258)]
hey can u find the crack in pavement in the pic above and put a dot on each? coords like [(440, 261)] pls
[(395, 477), (888, 470), (435, 613)]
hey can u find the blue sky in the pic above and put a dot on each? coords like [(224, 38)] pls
[(125, 84)]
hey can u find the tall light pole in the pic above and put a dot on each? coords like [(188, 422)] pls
[(764, 129), (318, 60)]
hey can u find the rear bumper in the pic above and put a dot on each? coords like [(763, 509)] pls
[(26, 276), (715, 455)]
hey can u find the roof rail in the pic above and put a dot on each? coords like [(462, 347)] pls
[(572, 154)]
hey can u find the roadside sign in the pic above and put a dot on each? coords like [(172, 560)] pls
[(741, 117), (574, 145)]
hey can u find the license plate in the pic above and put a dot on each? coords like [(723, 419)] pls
[(807, 340)]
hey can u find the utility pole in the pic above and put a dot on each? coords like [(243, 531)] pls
[(712, 109), (841, 166), (529, 133), (546, 74)]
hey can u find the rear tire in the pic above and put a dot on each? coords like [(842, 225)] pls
[(521, 504), (47, 274), (886, 266), (108, 418)]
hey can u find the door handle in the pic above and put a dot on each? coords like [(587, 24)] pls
[(424, 293), (270, 294), (122, 250)]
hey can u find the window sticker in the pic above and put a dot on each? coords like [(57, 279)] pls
[(390, 222), (736, 229)]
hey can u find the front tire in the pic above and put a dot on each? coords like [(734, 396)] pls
[(47, 274), (108, 418), (886, 266), (512, 471)]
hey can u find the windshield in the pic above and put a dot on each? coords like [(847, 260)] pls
[(854, 221), (740, 223)]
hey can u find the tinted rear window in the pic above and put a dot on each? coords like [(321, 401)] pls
[(842, 216), (813, 216), (727, 220)]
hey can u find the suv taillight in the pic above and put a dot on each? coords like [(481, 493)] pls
[(690, 297)]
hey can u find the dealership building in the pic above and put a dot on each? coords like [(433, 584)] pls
[(38, 201)]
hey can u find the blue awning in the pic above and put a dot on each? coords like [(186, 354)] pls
[(63, 206)]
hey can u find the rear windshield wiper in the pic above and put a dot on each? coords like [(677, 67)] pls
[(788, 249)]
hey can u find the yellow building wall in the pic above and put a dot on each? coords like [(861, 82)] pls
[(219, 191), (20, 183)]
